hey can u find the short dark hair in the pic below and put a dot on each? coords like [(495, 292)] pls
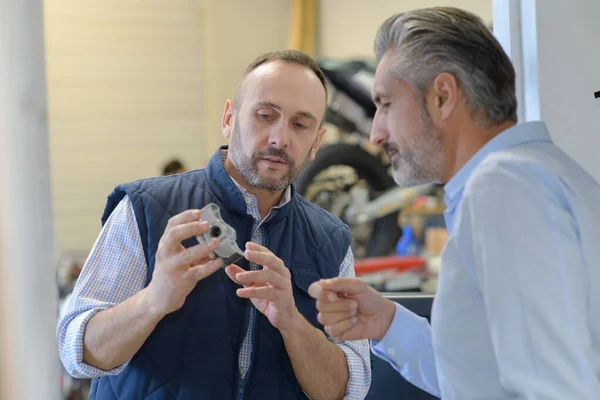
[(172, 167), (290, 56)]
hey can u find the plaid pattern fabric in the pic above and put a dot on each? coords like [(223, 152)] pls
[(116, 270), (245, 356)]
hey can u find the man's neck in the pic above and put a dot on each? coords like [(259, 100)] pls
[(464, 142), (265, 198)]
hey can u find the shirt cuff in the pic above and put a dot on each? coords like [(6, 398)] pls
[(359, 368), (72, 349), (400, 340)]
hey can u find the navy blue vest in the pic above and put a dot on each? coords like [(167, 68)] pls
[(193, 352)]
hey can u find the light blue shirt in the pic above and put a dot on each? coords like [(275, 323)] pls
[(516, 314)]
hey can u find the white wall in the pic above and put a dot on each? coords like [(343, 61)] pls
[(553, 45), (125, 92), (237, 31), (347, 27), (131, 83), (568, 73)]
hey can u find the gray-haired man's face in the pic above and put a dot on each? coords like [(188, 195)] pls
[(404, 128)]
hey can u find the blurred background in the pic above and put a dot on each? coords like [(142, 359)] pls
[(134, 84), (136, 89)]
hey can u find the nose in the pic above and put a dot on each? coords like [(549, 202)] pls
[(279, 136), (379, 132)]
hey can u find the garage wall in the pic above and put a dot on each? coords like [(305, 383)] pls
[(236, 32), (347, 27), (132, 83)]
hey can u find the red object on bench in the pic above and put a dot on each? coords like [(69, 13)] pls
[(397, 263)]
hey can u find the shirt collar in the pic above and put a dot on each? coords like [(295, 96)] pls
[(511, 137)]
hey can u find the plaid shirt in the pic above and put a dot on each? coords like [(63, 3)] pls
[(116, 270)]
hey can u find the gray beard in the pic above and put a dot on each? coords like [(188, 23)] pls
[(421, 162)]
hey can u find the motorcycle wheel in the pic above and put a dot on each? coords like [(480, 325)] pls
[(326, 169)]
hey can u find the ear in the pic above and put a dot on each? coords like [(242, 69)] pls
[(443, 96), (313, 152), (227, 118)]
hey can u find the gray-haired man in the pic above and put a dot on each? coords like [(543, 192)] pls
[(515, 314)]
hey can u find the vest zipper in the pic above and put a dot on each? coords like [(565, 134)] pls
[(238, 378), (242, 383)]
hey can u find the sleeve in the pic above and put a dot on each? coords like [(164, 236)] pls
[(531, 272), (407, 347), (114, 271), (356, 351)]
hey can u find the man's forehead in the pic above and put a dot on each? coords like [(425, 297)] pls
[(272, 71), (284, 84), (386, 83), (381, 82)]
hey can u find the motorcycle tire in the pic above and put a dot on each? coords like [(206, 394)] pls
[(386, 230)]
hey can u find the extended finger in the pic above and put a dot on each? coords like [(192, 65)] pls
[(256, 247), (266, 259), (262, 292), (318, 292), (195, 254), (201, 271), (345, 285), (183, 217), (339, 329), (263, 276), (173, 236), (332, 318), (337, 306), (232, 271)]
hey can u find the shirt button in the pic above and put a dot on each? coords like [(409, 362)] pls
[(391, 352)]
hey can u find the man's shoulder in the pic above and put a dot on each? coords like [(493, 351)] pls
[(513, 169), (319, 215), (535, 177), (161, 189), (193, 177), (325, 237)]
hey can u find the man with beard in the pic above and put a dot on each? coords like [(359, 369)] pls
[(515, 314), (152, 316)]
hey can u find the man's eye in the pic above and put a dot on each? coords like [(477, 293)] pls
[(300, 126), (266, 117)]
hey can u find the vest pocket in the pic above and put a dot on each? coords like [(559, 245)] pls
[(302, 278)]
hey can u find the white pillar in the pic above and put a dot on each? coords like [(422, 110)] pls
[(506, 16), (29, 365), (554, 44)]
